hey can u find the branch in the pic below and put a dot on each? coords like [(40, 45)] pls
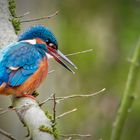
[(74, 135), (8, 135), (51, 71), (48, 99), (66, 113), (69, 138), (42, 18), (128, 96), (7, 110), (59, 99), (21, 16), (33, 117), (54, 110), (80, 52)]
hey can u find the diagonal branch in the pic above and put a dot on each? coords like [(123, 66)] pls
[(80, 52), (21, 16), (66, 113), (42, 18), (7, 110), (75, 135), (59, 99), (8, 135)]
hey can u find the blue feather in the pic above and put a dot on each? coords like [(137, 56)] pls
[(21, 55)]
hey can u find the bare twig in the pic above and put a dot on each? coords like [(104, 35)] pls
[(8, 135), (59, 99), (68, 138), (54, 108), (54, 117), (74, 135), (7, 110), (4, 111), (21, 16), (66, 113), (42, 103), (15, 108), (42, 18), (51, 71), (80, 52)]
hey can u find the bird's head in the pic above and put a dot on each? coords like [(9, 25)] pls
[(42, 35)]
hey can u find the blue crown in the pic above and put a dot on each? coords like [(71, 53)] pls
[(39, 31)]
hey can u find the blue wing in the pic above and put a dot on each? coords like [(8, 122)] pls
[(18, 62)]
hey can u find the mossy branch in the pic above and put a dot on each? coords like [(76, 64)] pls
[(34, 118), (14, 20), (128, 96)]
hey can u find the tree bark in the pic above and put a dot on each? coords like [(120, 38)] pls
[(27, 109)]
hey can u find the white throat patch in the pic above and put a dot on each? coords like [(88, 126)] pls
[(49, 56), (30, 41)]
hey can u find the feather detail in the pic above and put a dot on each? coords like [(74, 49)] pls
[(13, 68)]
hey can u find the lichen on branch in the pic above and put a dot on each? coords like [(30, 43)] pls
[(14, 19)]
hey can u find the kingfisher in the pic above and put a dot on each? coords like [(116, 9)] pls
[(24, 64)]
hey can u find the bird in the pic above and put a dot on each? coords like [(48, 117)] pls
[(24, 63)]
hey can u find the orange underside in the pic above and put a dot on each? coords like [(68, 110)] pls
[(30, 85)]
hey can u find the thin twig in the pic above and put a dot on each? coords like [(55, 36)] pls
[(14, 108), (54, 115), (66, 113), (54, 108), (58, 99), (21, 16), (80, 52), (42, 18), (48, 99), (7, 110), (69, 138), (74, 135), (51, 71), (4, 111), (8, 135)]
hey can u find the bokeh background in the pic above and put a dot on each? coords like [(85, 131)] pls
[(111, 28)]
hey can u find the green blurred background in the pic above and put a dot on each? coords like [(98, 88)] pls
[(111, 28)]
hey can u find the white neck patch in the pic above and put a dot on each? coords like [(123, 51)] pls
[(49, 56), (30, 41), (33, 42)]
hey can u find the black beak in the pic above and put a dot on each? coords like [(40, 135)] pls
[(61, 58)]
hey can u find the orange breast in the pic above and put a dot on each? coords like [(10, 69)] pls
[(31, 84)]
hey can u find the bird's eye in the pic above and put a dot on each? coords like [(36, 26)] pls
[(51, 45), (47, 42)]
